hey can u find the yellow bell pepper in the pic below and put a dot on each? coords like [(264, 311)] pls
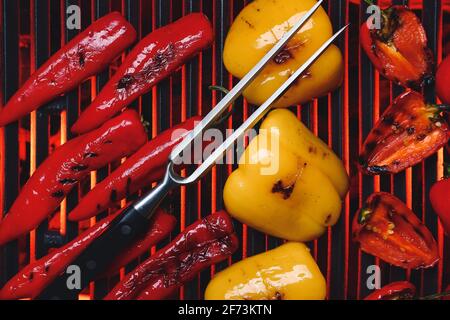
[(258, 28), (288, 272), (289, 183)]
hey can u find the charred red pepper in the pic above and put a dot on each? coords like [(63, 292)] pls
[(145, 166), (84, 56), (34, 278), (204, 243), (66, 166), (399, 48), (157, 56), (401, 290), (443, 80), (409, 131), (439, 197), (386, 228)]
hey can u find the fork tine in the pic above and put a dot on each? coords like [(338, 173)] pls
[(252, 120), (241, 86)]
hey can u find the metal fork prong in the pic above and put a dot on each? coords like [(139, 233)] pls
[(252, 120), (241, 86)]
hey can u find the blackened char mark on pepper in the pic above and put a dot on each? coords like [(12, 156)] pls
[(286, 191), (79, 167), (58, 194), (68, 181), (160, 62), (90, 155)]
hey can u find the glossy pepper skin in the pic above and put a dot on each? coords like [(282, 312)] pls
[(439, 197), (31, 281), (66, 166), (401, 290), (409, 131), (258, 28), (399, 49), (443, 80), (154, 58), (202, 244), (84, 56), (386, 228), (147, 165), (289, 183), (288, 272)]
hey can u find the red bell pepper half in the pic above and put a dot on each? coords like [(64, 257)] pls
[(443, 80), (204, 243), (409, 131), (399, 49), (34, 278), (154, 58), (84, 56), (439, 197), (386, 228), (66, 166), (401, 290), (147, 165)]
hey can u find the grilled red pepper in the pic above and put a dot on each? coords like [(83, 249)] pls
[(65, 167), (443, 80), (157, 56), (409, 131), (87, 54), (145, 166), (401, 290), (439, 197), (204, 243), (399, 49), (386, 228), (34, 278)]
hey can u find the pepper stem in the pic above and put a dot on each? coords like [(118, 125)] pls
[(228, 114), (436, 296), (369, 2), (146, 124), (443, 107), (446, 170)]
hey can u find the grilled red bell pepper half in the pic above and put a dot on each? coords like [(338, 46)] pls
[(409, 131), (399, 49), (154, 58), (144, 167), (439, 197), (204, 243), (66, 166), (31, 281), (443, 81), (386, 228), (84, 56), (401, 290)]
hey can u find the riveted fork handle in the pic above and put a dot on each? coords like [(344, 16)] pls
[(123, 231)]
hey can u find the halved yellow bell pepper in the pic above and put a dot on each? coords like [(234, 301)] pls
[(288, 272), (258, 28), (289, 183)]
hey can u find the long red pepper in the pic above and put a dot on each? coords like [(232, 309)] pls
[(35, 277), (144, 167), (157, 56), (204, 243), (87, 54), (71, 162), (401, 290), (439, 197)]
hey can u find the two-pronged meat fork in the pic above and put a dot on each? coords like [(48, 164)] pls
[(135, 219)]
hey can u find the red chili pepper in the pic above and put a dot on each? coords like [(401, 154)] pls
[(84, 56), (439, 197), (34, 278), (409, 131), (157, 56), (65, 167), (145, 166), (443, 80), (401, 290), (163, 223), (399, 49), (386, 228), (204, 243)]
